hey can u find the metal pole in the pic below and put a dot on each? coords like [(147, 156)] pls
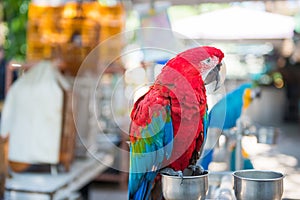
[(238, 150)]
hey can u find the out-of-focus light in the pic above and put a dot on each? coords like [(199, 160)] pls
[(266, 79), (277, 75), (140, 92), (288, 47), (16, 65), (69, 11), (132, 56), (279, 83), (278, 80), (135, 76)]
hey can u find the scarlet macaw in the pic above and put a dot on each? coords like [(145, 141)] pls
[(169, 122)]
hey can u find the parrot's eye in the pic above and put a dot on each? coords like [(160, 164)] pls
[(207, 61)]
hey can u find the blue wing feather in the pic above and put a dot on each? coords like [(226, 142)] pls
[(224, 114), (205, 125), (155, 145)]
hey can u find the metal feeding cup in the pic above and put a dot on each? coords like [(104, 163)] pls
[(186, 187), (258, 184)]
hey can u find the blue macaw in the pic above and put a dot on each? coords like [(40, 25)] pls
[(225, 113)]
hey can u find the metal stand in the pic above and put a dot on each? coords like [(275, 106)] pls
[(238, 151)]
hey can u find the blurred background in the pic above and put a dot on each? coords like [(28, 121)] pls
[(70, 72)]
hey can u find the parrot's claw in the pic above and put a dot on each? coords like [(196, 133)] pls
[(171, 172), (194, 170)]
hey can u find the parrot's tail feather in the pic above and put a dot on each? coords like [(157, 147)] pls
[(143, 192)]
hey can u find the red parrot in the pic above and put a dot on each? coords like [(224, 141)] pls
[(168, 123)]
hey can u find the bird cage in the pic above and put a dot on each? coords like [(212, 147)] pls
[(82, 32), (71, 31), (42, 31)]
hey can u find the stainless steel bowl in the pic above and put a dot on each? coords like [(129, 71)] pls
[(258, 184), (188, 188)]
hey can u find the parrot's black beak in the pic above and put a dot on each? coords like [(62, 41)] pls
[(256, 93), (214, 75)]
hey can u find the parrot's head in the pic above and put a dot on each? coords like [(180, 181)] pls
[(208, 61), (249, 95)]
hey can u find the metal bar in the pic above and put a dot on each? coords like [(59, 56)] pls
[(238, 149)]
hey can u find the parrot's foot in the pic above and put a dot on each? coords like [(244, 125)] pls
[(194, 170), (171, 172)]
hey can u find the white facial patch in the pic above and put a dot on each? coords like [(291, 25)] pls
[(207, 65)]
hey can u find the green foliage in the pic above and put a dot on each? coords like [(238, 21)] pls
[(15, 17), (1, 11)]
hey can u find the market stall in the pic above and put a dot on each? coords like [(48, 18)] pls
[(64, 116), (45, 186), (55, 120)]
